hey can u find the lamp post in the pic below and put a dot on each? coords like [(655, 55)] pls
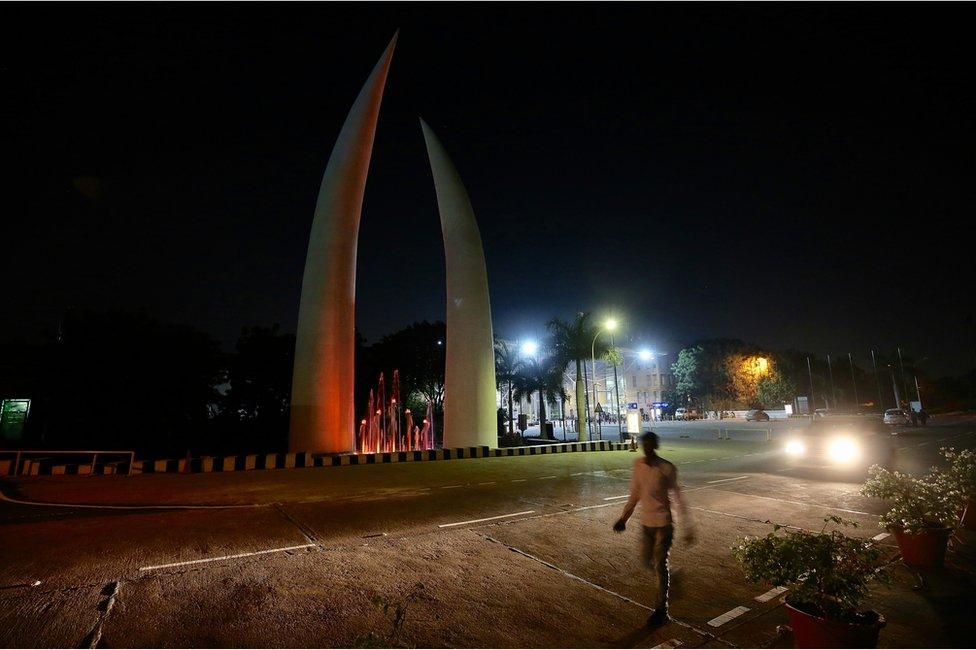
[(609, 326)]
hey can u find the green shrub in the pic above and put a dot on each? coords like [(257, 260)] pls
[(827, 573), (932, 501)]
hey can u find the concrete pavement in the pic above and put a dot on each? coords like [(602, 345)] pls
[(511, 552)]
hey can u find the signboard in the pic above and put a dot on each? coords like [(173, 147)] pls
[(13, 416), (631, 405), (661, 405), (802, 405)]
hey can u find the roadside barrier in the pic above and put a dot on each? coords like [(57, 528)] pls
[(240, 463)]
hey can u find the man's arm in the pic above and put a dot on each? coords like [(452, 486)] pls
[(631, 503)]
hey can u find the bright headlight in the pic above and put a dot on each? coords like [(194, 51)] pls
[(844, 450), (796, 448)]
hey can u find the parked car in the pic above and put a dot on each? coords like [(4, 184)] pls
[(757, 415), (686, 414), (897, 416)]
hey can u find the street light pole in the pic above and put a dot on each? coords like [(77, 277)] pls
[(813, 403), (830, 372), (853, 381), (877, 379), (616, 386), (593, 366)]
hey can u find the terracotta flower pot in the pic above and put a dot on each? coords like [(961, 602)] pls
[(925, 549), (811, 631)]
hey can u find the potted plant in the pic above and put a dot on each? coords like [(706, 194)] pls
[(961, 471), (827, 575), (922, 513)]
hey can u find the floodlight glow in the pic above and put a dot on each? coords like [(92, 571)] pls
[(529, 348), (611, 324), (645, 355), (796, 448), (844, 450)]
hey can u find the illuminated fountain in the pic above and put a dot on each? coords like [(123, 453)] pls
[(381, 430)]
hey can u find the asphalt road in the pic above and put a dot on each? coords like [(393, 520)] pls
[(510, 552)]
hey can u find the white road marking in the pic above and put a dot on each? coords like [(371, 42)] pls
[(728, 616), (448, 487), (4, 497), (713, 459), (880, 536), (487, 483), (542, 477), (579, 473), (622, 496), (475, 521), (769, 595), (226, 557), (670, 643), (725, 480), (519, 480), (798, 503)]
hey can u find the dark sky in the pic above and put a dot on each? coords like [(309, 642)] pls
[(792, 175)]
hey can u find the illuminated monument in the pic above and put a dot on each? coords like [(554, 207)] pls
[(322, 410)]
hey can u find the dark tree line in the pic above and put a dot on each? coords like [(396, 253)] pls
[(118, 380)]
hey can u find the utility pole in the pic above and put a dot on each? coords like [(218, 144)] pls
[(853, 382), (877, 379), (904, 382), (918, 393), (813, 404), (833, 392), (894, 388), (616, 384)]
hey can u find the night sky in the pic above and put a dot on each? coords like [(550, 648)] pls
[(794, 176)]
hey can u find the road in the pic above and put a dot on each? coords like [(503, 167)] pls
[(510, 552)]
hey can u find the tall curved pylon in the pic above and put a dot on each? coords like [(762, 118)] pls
[(469, 385), (322, 411)]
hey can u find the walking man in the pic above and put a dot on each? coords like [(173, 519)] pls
[(654, 483)]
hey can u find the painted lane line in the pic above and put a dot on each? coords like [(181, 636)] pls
[(92, 506), (711, 459), (880, 536), (728, 616), (579, 473), (227, 557), (566, 573), (797, 503), (487, 483), (769, 595), (475, 521), (545, 477), (725, 480), (670, 643), (622, 496), (519, 480), (450, 487)]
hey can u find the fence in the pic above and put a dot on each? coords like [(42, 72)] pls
[(27, 461)]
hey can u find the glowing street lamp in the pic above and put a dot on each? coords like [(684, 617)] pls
[(529, 348), (645, 355)]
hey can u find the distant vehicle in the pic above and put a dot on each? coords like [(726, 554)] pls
[(822, 413), (757, 415), (897, 416), (839, 443), (686, 414)]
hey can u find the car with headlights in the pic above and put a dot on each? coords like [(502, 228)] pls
[(897, 416), (757, 415), (839, 443)]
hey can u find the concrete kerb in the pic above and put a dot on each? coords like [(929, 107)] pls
[(209, 464)]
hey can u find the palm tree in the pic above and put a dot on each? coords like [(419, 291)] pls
[(570, 342), (544, 377), (507, 365)]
